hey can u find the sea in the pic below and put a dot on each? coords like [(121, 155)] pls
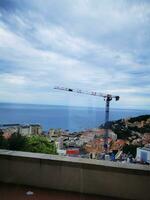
[(65, 117)]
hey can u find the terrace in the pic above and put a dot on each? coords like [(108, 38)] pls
[(58, 177), (19, 192)]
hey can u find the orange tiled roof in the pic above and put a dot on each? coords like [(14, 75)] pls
[(7, 135)]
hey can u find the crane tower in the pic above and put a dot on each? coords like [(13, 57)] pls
[(107, 98)]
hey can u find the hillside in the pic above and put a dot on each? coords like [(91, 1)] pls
[(126, 128)]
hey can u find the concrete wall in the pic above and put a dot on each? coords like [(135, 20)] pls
[(128, 181)]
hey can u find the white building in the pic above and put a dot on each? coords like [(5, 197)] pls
[(61, 152), (59, 143), (143, 154)]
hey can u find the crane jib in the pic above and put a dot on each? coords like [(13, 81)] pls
[(70, 90), (107, 98)]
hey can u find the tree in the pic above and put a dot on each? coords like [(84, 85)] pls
[(3, 142), (130, 149), (33, 143), (39, 144), (139, 118), (17, 142)]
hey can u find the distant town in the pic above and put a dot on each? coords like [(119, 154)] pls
[(128, 140)]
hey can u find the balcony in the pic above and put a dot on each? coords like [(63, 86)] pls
[(19, 192), (74, 177)]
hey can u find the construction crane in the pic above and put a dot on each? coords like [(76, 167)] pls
[(107, 98)]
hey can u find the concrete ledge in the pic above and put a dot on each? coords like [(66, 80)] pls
[(130, 181)]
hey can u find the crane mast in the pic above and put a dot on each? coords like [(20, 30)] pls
[(107, 98)]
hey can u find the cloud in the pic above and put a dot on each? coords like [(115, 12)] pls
[(91, 45), (12, 79)]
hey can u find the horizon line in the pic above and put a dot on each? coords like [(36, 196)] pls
[(25, 103)]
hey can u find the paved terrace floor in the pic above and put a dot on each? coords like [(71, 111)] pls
[(18, 192)]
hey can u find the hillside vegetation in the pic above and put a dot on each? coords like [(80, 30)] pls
[(125, 128), (33, 143)]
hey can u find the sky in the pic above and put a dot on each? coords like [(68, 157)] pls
[(93, 45)]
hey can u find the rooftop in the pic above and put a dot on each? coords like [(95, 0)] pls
[(145, 148)]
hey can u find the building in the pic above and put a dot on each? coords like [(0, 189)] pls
[(61, 152), (146, 139), (25, 130), (32, 129), (97, 145), (10, 128), (59, 143), (73, 151), (102, 132), (21, 129), (118, 144), (36, 129), (53, 134), (143, 155)]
